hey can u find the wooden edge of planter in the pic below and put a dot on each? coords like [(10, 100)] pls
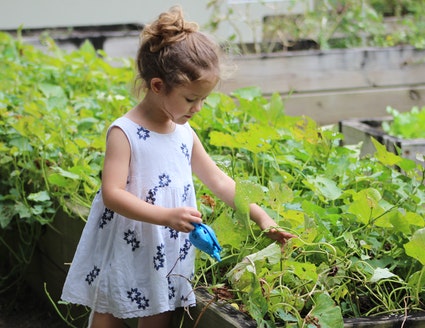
[(212, 313), (361, 130), (416, 320)]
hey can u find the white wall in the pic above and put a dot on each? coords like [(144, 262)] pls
[(60, 13), (68, 13)]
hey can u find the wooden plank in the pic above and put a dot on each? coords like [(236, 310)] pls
[(410, 320), (210, 313), (332, 107), (334, 69)]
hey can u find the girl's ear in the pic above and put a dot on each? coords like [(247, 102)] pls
[(157, 85)]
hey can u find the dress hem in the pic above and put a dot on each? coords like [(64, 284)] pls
[(129, 314)]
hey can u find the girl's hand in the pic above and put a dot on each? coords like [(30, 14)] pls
[(279, 235), (181, 218)]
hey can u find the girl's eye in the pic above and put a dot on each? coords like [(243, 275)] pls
[(190, 100)]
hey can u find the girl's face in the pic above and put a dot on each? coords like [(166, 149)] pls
[(184, 101)]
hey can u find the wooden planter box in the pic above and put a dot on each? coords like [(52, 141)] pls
[(361, 130), (326, 85)]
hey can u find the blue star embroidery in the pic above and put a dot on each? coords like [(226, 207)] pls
[(143, 133), (185, 249), (186, 192), (185, 152), (164, 180), (171, 290), (173, 233), (130, 238), (135, 296), (107, 216), (158, 260), (92, 275), (150, 198)]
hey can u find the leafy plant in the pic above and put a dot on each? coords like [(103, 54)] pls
[(320, 24), (407, 125), (359, 220), (54, 110)]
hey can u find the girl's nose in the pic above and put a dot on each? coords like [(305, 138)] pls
[(197, 106)]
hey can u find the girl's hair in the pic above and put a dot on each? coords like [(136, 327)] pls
[(175, 51)]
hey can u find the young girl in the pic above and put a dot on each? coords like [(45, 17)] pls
[(134, 251)]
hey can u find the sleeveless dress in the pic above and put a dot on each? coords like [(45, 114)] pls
[(130, 268)]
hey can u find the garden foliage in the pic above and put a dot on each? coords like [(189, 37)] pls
[(359, 221), (406, 125)]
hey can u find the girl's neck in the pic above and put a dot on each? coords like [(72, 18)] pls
[(148, 115)]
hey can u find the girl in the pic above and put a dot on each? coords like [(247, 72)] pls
[(134, 251)]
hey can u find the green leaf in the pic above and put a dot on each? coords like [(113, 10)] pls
[(365, 205), (383, 155), (51, 90), (228, 232), (326, 312), (248, 93), (40, 196), (416, 246), (325, 188), (247, 192), (6, 214), (67, 174), (271, 253), (381, 273), (305, 271)]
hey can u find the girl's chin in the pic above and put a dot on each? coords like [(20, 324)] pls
[(182, 120)]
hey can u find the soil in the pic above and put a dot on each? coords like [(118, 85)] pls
[(26, 311)]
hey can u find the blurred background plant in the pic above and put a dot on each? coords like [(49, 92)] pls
[(320, 24)]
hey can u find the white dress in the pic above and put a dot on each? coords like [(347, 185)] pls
[(130, 268)]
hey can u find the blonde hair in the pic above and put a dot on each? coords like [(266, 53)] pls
[(175, 51)]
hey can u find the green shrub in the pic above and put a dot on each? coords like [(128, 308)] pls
[(54, 109)]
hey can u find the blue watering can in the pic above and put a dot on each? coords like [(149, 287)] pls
[(203, 237)]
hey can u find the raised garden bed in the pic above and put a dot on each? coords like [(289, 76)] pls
[(326, 85), (361, 130)]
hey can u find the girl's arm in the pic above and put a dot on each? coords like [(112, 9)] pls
[(118, 199), (224, 188)]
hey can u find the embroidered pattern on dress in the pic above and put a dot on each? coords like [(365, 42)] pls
[(186, 192), (150, 198), (164, 181), (185, 152), (107, 216), (185, 249), (143, 133), (174, 234), (171, 290), (130, 238), (135, 296), (92, 275), (158, 260)]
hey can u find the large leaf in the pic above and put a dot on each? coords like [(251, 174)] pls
[(325, 313), (247, 192), (416, 246), (229, 233), (365, 205), (383, 155), (381, 273), (325, 188)]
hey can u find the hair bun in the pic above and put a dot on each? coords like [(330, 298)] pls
[(170, 27)]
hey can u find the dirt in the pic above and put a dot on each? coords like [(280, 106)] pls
[(26, 311)]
